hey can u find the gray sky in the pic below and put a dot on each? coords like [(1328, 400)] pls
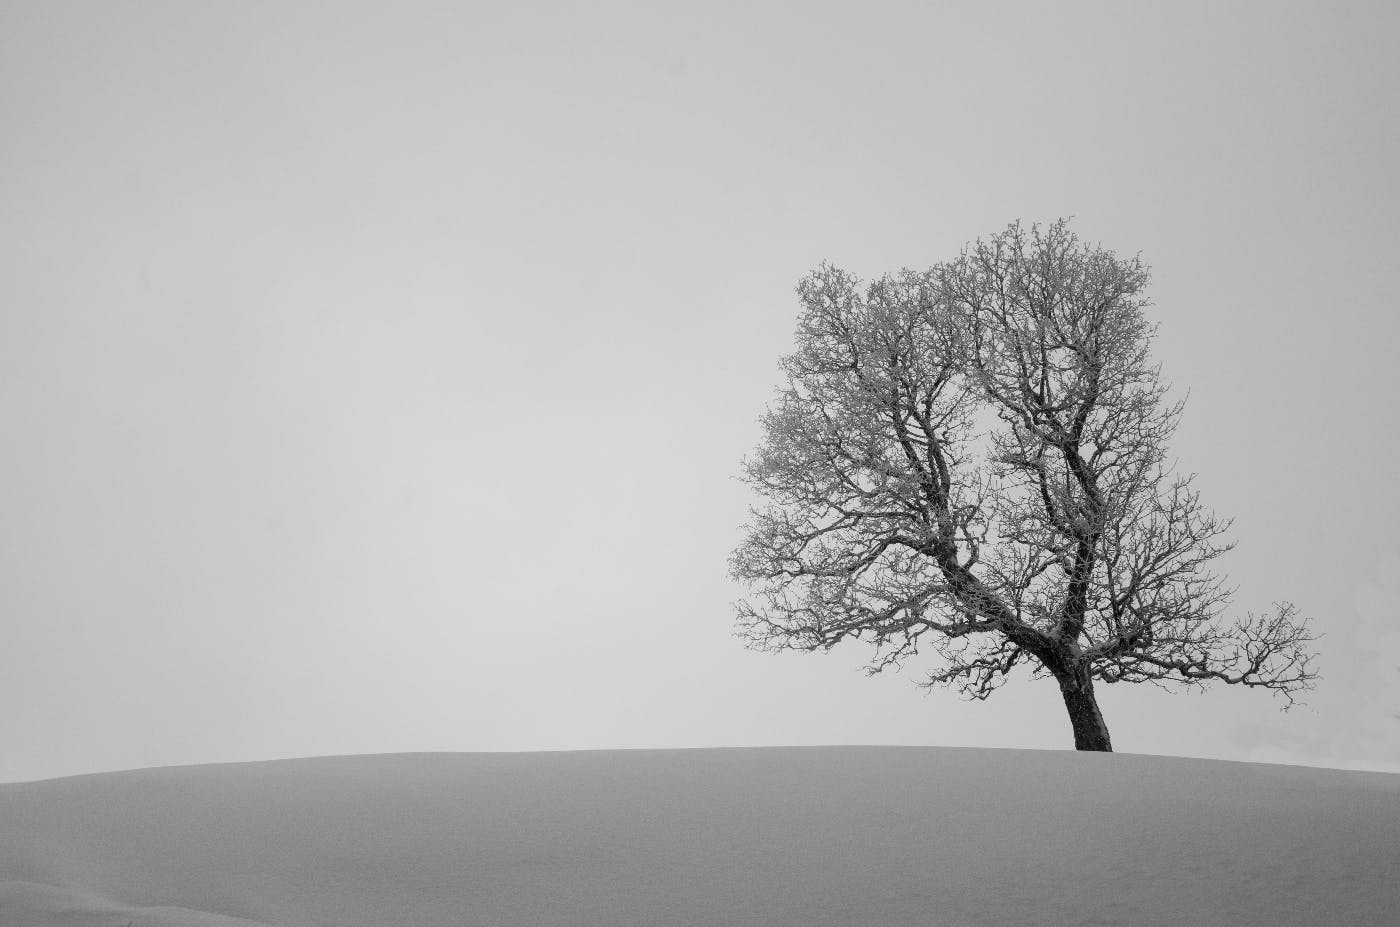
[(375, 376)]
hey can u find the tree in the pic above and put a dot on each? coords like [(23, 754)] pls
[(973, 460)]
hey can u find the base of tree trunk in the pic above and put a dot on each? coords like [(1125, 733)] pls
[(1090, 731)]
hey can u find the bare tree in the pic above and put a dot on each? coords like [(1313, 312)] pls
[(973, 459)]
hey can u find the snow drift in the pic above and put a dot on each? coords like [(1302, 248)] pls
[(765, 836)]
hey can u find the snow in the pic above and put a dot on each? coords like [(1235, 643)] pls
[(804, 836)]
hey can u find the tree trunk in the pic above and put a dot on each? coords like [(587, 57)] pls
[(1090, 732)]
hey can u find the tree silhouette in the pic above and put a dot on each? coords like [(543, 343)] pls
[(972, 460)]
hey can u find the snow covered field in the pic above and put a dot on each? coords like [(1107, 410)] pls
[(767, 836)]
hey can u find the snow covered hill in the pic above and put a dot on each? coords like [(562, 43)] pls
[(941, 837)]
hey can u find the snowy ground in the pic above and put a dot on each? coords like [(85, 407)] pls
[(774, 836)]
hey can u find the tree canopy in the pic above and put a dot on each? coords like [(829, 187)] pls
[(971, 462)]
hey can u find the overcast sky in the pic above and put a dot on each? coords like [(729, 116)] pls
[(374, 377)]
